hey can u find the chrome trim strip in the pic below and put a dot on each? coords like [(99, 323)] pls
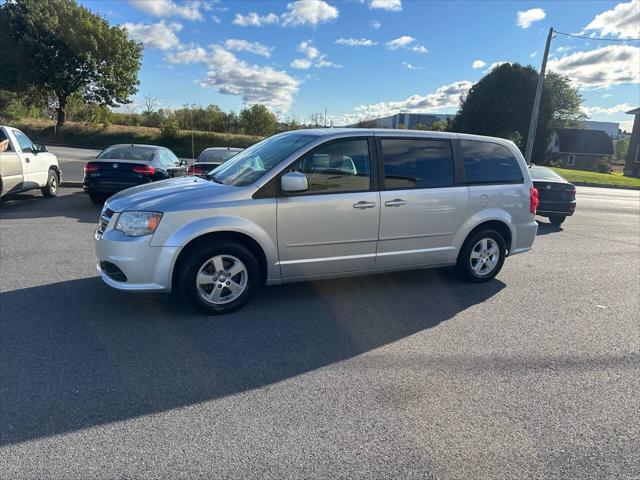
[(366, 255), (421, 235), (335, 242)]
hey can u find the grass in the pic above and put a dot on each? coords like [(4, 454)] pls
[(614, 178), (99, 137)]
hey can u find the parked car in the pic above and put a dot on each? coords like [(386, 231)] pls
[(313, 204), (25, 165), (211, 158), (556, 195), (122, 166)]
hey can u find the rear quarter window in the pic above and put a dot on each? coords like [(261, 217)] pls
[(489, 163)]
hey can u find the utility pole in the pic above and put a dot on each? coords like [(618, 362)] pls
[(536, 103)]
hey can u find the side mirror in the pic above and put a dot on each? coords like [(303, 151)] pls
[(294, 182), (39, 148)]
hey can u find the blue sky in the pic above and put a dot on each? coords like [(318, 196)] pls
[(365, 58)]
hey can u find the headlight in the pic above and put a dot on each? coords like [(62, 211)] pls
[(138, 224)]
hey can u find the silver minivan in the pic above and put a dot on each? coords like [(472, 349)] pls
[(316, 204)]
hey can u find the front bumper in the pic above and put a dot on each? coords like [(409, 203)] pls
[(146, 268)]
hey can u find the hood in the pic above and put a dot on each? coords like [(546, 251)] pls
[(167, 195)]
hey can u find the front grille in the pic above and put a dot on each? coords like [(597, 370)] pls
[(103, 221)]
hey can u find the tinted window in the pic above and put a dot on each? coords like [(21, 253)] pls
[(128, 152), (541, 173), (486, 162), (411, 163), (341, 166), (23, 141), (164, 159), (216, 156)]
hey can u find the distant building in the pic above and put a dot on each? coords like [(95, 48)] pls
[(632, 164), (580, 148), (610, 127), (406, 120)]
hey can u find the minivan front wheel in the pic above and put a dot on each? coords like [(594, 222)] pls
[(219, 278), (482, 256)]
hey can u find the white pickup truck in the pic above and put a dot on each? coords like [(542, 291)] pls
[(25, 165)]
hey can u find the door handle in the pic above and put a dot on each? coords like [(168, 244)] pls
[(362, 205), (27, 159), (397, 202)]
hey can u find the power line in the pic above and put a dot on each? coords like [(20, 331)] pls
[(598, 38)]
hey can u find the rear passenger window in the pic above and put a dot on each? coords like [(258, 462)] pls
[(414, 163), (487, 163)]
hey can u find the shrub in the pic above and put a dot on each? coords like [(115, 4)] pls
[(169, 128), (603, 166)]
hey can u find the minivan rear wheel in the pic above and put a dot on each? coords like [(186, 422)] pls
[(482, 256), (219, 278)]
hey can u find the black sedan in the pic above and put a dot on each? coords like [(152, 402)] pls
[(557, 197), (211, 158), (122, 166)]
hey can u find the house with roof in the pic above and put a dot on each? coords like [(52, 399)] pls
[(632, 163), (580, 148)]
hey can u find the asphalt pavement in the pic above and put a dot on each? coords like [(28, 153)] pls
[(409, 375)]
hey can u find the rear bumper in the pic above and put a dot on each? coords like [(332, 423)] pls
[(546, 208), (110, 186)]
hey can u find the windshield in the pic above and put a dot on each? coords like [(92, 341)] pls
[(128, 152), (249, 165), (538, 173), (216, 156)]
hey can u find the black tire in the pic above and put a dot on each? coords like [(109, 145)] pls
[(96, 199), (466, 264), (557, 220), (198, 257), (50, 190)]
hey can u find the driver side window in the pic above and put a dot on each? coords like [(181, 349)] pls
[(23, 141), (341, 166)]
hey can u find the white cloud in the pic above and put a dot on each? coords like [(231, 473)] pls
[(622, 21), (189, 10), (603, 67), (527, 17), (446, 96), (255, 84), (410, 66), (191, 55), (533, 54), (301, 64), (400, 42), (215, 19), (245, 46), (157, 35), (375, 24), (308, 12), (389, 5), (300, 12), (419, 49), (355, 42), (494, 65), (606, 95), (478, 64), (313, 58), (254, 20), (620, 108), (626, 125)]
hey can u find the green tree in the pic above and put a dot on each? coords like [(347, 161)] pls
[(621, 147), (439, 126), (500, 105), (258, 120), (64, 48)]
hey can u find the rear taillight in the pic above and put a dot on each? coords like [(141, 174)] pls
[(144, 169), (533, 200), (573, 194), (196, 170), (90, 167)]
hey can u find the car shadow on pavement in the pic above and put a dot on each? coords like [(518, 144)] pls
[(547, 228), (77, 354), (33, 205)]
